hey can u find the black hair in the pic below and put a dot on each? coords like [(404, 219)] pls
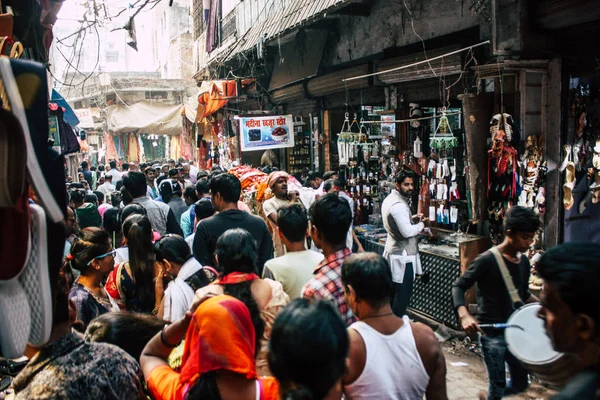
[(171, 161), (173, 172), (116, 198), (160, 179), (101, 167), (327, 175), (76, 185), (308, 349), (84, 164), (204, 209), (126, 197), (90, 198), (100, 196), (132, 209), (77, 195), (521, 219), (127, 330), (190, 193), (108, 177), (166, 190), (111, 222), (89, 243), (93, 168), (332, 216), (312, 175), (201, 174), (138, 231), (228, 186), (202, 186), (205, 387), (113, 164), (135, 183), (149, 169), (370, 276), (293, 222), (404, 174), (236, 251), (573, 269), (331, 183), (172, 248), (125, 166)]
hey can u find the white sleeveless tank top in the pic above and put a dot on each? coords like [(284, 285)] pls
[(393, 367)]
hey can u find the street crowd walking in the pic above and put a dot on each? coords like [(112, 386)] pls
[(171, 288)]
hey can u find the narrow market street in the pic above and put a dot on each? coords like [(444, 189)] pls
[(466, 376), (253, 199)]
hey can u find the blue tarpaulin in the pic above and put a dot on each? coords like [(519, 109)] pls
[(69, 116)]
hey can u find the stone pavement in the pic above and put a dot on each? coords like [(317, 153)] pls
[(464, 382)]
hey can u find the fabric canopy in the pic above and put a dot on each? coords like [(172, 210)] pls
[(145, 117)]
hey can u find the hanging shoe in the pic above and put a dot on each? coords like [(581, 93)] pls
[(13, 153), (570, 174), (567, 149), (568, 195), (26, 88), (35, 280)]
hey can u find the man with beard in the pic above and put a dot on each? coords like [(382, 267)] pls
[(277, 182), (570, 299), (401, 248)]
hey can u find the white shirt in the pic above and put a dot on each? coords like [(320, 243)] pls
[(179, 296), (393, 367), (401, 214), (115, 174), (106, 188)]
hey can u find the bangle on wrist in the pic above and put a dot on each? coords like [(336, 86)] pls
[(164, 341)]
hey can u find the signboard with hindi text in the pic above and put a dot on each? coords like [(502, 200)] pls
[(263, 133)]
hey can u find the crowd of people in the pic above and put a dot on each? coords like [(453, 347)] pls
[(171, 288)]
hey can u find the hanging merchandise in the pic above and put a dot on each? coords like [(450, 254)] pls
[(502, 160), (532, 175), (111, 149), (443, 139), (67, 139)]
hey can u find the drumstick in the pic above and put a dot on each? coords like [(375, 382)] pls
[(500, 326)]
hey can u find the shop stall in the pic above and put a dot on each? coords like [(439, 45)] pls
[(445, 255)]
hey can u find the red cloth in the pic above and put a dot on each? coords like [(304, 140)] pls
[(235, 278), (220, 336)]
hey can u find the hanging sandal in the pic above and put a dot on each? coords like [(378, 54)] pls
[(570, 174), (567, 148), (568, 195)]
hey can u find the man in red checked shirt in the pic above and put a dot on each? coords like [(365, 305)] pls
[(330, 219)]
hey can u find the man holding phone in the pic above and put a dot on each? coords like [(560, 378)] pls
[(401, 247)]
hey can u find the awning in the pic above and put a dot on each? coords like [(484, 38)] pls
[(145, 117), (69, 116)]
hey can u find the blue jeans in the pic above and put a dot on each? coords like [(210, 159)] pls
[(495, 355)]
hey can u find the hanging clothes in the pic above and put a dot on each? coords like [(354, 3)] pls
[(141, 149), (111, 149), (175, 150), (186, 145), (69, 142), (133, 154)]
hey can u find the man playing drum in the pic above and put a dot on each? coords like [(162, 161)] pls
[(570, 299), (494, 302)]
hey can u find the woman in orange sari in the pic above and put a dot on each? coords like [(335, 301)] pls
[(218, 357)]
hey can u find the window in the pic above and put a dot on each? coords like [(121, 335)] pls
[(112, 56), (156, 95)]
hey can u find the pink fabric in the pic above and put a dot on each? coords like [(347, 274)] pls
[(102, 209)]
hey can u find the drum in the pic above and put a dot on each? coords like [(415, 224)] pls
[(532, 346)]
